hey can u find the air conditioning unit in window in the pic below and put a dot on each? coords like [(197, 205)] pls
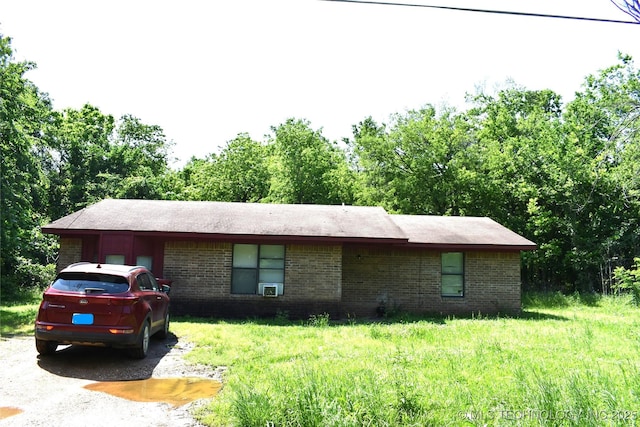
[(270, 289)]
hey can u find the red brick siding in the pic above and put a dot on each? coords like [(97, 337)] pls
[(201, 274), (199, 270), (349, 280), (409, 280), (70, 252), (313, 273)]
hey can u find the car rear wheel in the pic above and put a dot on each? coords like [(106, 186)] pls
[(142, 347), (164, 332), (46, 348)]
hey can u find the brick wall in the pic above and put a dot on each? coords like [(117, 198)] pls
[(313, 273), (70, 252), (341, 281), (409, 280), (201, 274)]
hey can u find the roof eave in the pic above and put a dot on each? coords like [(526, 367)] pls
[(472, 247), (226, 237)]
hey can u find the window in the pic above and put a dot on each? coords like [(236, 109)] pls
[(90, 282), (453, 274), (114, 259), (147, 282), (253, 264), (145, 261)]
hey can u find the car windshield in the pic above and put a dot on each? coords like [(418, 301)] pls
[(91, 283)]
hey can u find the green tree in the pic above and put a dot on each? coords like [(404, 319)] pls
[(81, 159), (603, 127), (239, 173), (137, 162), (371, 158), (565, 175), (628, 280), (138, 149), (195, 177), (307, 168), (426, 163), (243, 173), (520, 132), (25, 117)]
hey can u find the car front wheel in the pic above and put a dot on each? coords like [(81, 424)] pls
[(142, 347), (46, 348)]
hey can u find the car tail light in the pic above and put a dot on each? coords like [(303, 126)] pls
[(41, 327), (121, 331), (124, 301)]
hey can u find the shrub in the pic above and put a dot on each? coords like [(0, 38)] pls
[(629, 280), (26, 282)]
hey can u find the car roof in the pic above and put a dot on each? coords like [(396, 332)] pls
[(114, 269)]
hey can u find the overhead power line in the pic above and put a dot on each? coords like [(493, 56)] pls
[(500, 12)]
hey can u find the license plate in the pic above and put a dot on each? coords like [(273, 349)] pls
[(82, 319)]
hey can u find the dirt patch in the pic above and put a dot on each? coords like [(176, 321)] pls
[(44, 391)]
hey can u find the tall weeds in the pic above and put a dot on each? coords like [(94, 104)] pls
[(569, 365)]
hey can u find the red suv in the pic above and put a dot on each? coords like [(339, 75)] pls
[(103, 304)]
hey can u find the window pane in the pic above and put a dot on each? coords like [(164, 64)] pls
[(245, 256), (244, 281), (77, 282), (145, 261), (452, 285), (452, 263), (271, 276), (143, 282), (271, 251), (114, 259), (271, 263), (154, 284)]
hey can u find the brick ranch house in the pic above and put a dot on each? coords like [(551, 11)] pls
[(251, 259)]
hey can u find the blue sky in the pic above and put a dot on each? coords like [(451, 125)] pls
[(206, 71)]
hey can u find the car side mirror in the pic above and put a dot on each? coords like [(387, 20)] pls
[(165, 285)]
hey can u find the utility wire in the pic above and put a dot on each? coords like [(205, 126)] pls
[(500, 12)]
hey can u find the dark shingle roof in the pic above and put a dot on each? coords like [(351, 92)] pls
[(296, 222), (452, 231), (239, 219)]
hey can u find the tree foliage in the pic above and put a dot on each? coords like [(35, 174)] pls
[(425, 164), (565, 176), (25, 118), (306, 167), (628, 280), (238, 174)]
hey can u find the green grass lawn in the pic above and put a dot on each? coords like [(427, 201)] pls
[(17, 319), (566, 361)]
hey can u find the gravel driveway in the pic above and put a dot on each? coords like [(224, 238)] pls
[(50, 391)]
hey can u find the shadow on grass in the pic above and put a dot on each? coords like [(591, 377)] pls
[(559, 300), (536, 315), (17, 321), (313, 321), (395, 319)]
